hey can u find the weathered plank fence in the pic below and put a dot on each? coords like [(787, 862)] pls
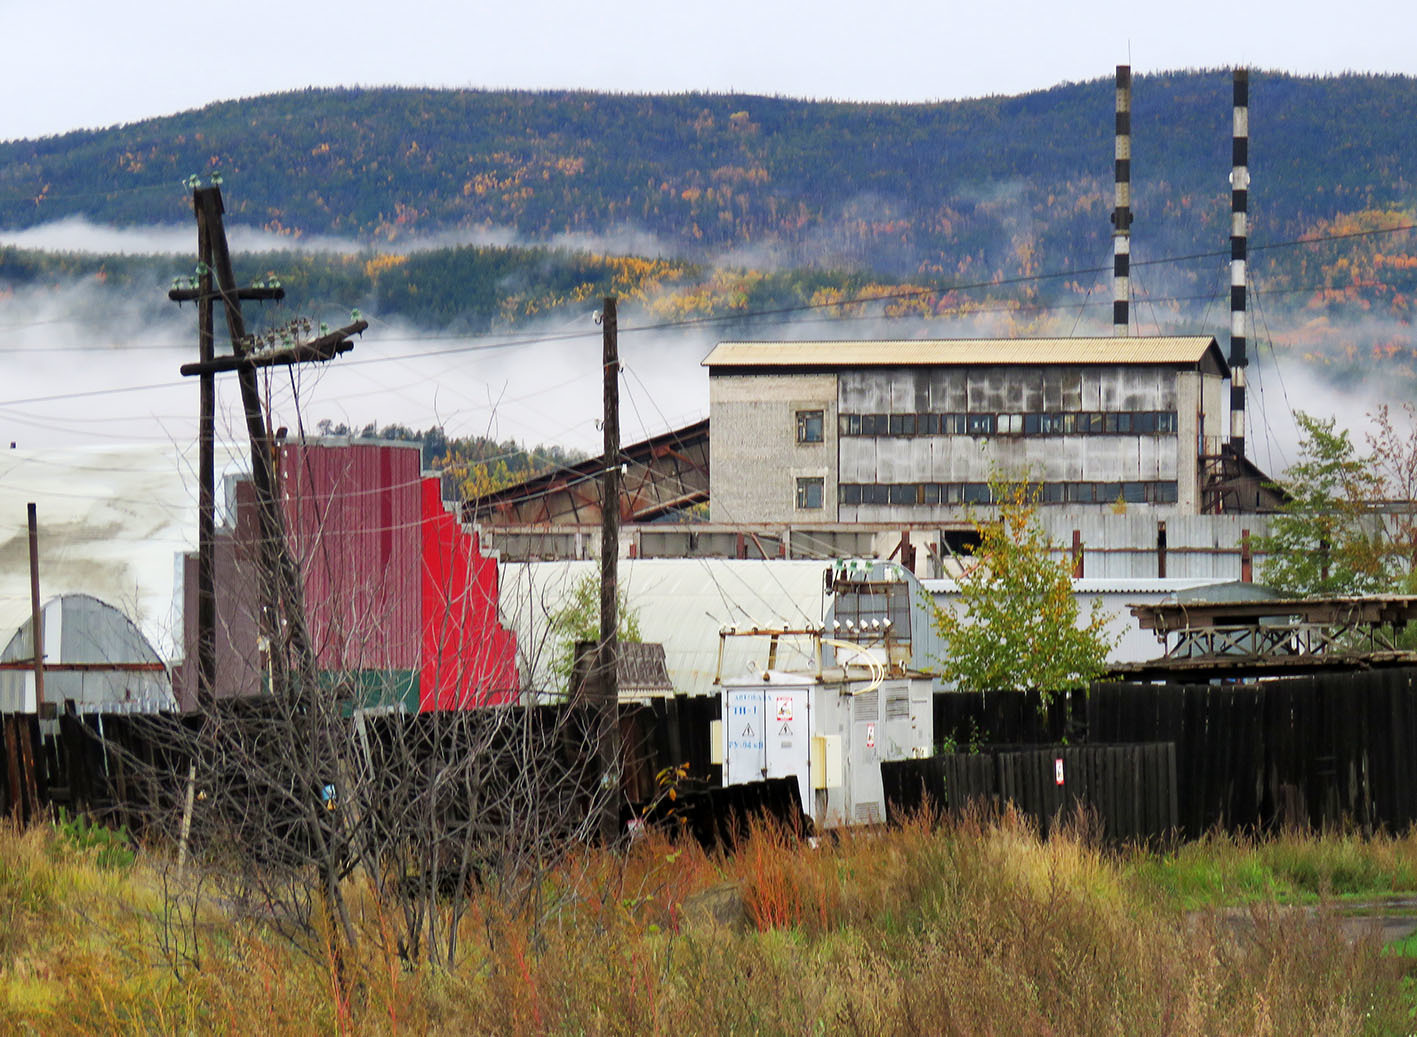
[(1312, 751), (1130, 789)]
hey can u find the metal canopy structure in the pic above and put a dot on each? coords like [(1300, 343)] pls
[(664, 475), (1205, 640)]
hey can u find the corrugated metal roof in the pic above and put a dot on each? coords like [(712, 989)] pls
[(680, 603), (1173, 349)]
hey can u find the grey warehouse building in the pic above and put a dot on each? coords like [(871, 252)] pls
[(910, 431)]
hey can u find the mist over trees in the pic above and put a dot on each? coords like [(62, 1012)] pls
[(477, 211)]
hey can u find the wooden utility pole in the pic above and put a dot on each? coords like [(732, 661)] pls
[(206, 471), (282, 611), (202, 293), (608, 685), (36, 613)]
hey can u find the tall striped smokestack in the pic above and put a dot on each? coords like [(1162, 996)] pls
[(1239, 244), (1122, 212)]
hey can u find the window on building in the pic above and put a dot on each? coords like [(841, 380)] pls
[(809, 493), (902, 424), (1166, 422), (849, 493), (979, 424), (809, 426), (1010, 424)]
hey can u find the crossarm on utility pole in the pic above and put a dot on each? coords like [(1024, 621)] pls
[(249, 294), (326, 347)]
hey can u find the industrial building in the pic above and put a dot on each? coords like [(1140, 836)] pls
[(912, 431), (400, 602)]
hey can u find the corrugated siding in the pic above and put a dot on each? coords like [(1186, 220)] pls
[(1180, 349), (468, 658), (353, 515), (1123, 546)]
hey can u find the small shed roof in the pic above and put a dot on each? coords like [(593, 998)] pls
[(1169, 350)]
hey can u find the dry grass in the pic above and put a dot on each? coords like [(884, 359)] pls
[(972, 928)]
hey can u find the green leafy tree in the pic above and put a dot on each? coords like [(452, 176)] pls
[(1020, 627), (579, 620), (1320, 545)]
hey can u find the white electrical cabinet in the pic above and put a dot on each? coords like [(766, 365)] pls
[(832, 736)]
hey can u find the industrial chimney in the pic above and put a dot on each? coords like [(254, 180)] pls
[(1239, 243), (1122, 212)]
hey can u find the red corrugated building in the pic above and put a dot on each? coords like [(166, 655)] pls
[(400, 602)]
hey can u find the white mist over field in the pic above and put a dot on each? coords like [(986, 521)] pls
[(81, 367)]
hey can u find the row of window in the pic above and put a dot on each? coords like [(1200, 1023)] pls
[(1074, 423), (810, 493)]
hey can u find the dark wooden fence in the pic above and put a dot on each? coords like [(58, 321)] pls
[(1314, 751), (1129, 789), (124, 768)]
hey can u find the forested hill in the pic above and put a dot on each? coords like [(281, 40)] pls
[(993, 210), (970, 189)]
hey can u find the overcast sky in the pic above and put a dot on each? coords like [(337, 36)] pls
[(80, 63)]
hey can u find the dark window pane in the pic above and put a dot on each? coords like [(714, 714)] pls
[(850, 493), (907, 424), (1166, 493), (1080, 492), (1144, 424), (1053, 493), (1124, 423), (932, 493), (1133, 493), (1031, 424), (809, 493), (809, 426), (979, 424), (976, 493)]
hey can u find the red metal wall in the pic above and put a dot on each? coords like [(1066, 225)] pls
[(469, 658), (392, 581), (353, 514)]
